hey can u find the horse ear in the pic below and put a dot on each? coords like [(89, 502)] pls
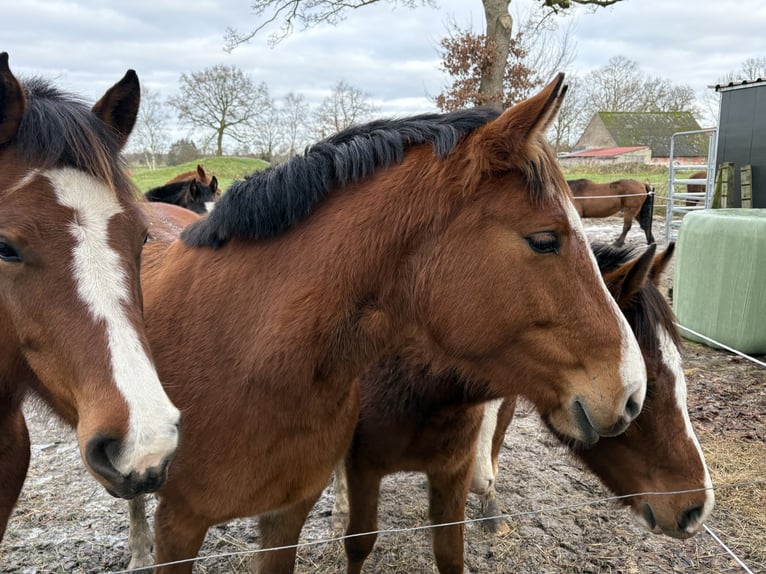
[(214, 184), (505, 140), (193, 190), (627, 280), (13, 103), (118, 107), (660, 262), (201, 173)]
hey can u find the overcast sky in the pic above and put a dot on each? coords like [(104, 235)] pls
[(392, 55)]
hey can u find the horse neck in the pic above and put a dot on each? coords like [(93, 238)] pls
[(335, 289)]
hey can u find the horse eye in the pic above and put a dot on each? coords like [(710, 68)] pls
[(8, 253), (543, 242)]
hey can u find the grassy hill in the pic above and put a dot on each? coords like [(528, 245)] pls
[(225, 169)]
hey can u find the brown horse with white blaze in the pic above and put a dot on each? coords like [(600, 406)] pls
[(456, 231), (658, 459), (72, 329), (633, 198)]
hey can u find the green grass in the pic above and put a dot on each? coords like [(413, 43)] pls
[(225, 169)]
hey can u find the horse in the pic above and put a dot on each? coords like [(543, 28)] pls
[(166, 220), (413, 420), (71, 325), (191, 194), (635, 199), (323, 263), (199, 174), (697, 188), (659, 453)]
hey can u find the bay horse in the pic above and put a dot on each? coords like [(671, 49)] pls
[(199, 174), (413, 420), (659, 452), (453, 230), (71, 324), (191, 194), (633, 198), (697, 188)]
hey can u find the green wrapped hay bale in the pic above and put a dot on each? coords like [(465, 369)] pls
[(719, 286)]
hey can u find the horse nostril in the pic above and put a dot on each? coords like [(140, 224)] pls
[(633, 406), (689, 516), (99, 454)]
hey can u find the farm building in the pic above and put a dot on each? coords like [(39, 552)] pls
[(609, 155), (608, 130)]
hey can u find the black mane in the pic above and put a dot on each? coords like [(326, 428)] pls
[(59, 129), (649, 309), (269, 202)]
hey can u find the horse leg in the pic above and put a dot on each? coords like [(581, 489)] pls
[(626, 225), (282, 528), (489, 509), (140, 537), (448, 492), (14, 458), (363, 494), (179, 534), (340, 506)]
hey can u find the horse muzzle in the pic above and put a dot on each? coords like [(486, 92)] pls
[(100, 453)]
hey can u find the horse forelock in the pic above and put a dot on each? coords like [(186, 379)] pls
[(271, 201), (649, 311), (60, 130)]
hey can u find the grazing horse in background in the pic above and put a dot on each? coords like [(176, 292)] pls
[(413, 420), (635, 199), (190, 194), (325, 262), (659, 452), (199, 174), (697, 188), (71, 324)]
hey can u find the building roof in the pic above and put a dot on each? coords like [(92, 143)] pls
[(606, 151), (739, 85), (654, 129)]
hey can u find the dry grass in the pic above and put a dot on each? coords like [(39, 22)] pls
[(740, 511)]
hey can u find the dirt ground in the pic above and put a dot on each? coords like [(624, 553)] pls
[(65, 522)]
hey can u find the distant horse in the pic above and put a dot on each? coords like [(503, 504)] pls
[(191, 194), (322, 264), (635, 199), (414, 420), (661, 442), (696, 188), (71, 326), (199, 174)]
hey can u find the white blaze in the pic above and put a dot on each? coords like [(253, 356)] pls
[(632, 367), (672, 360), (102, 285)]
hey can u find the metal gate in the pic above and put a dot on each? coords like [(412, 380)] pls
[(682, 202)]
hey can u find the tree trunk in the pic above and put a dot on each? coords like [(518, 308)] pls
[(499, 27), (219, 143)]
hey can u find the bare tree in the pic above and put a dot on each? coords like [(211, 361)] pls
[(308, 13), (621, 86), (150, 134), (343, 108), (222, 101), (267, 130), (294, 118)]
